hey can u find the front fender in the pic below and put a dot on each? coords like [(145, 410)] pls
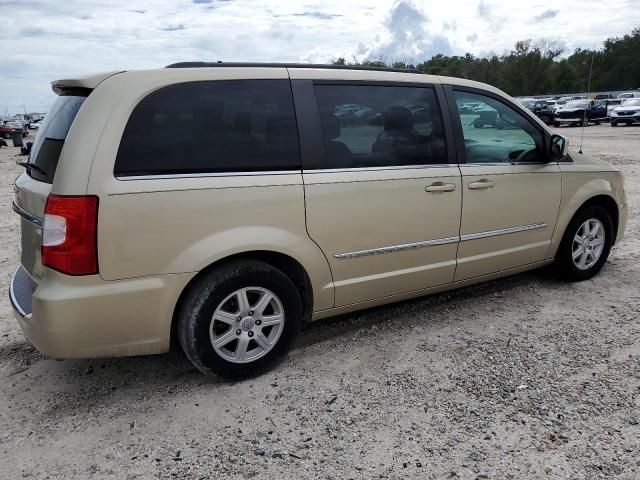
[(577, 189)]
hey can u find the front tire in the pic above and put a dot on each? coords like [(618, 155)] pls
[(586, 244), (240, 319), (614, 124)]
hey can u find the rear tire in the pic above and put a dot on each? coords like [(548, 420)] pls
[(585, 245), (237, 306)]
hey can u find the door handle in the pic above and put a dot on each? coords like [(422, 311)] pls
[(440, 187), (482, 184)]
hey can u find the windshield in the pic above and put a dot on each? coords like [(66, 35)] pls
[(577, 104), (528, 103), (632, 103), (51, 136)]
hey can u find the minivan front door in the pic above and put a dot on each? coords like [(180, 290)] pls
[(511, 194), (384, 204)]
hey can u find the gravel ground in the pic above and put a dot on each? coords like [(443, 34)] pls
[(525, 377)]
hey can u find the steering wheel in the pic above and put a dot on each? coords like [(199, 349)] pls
[(520, 156)]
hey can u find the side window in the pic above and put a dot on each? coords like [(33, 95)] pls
[(379, 126), (496, 133), (216, 126)]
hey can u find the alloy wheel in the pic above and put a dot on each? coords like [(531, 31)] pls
[(246, 325), (588, 244)]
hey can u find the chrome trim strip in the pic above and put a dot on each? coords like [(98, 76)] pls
[(377, 169), (210, 174), (397, 248), (14, 300), (439, 241), (27, 216), (504, 164), (502, 231)]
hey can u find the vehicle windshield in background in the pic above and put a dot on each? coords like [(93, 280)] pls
[(577, 104), (50, 138), (528, 103), (632, 103)]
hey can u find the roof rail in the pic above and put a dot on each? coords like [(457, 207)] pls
[(289, 65)]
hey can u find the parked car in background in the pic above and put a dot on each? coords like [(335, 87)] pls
[(628, 113), (551, 104), (540, 108), (486, 116), (254, 210), (580, 112), (467, 108), (629, 95), (35, 125), (7, 129), (611, 104), (600, 96)]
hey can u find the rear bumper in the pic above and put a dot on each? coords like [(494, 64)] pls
[(83, 317)]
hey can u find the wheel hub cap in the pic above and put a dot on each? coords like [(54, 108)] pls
[(588, 244), (246, 325)]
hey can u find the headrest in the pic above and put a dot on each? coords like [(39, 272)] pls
[(398, 118)]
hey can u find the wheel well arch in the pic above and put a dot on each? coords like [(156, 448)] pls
[(286, 264), (609, 204)]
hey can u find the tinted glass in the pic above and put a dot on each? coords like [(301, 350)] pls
[(378, 126), (50, 138), (496, 133), (218, 126)]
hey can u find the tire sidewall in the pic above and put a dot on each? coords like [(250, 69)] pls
[(207, 296), (564, 258)]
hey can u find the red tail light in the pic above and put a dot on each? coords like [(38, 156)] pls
[(69, 234)]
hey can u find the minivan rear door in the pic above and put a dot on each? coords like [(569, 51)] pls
[(382, 190), (33, 186)]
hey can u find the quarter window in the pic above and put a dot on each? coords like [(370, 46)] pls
[(378, 126), (496, 133), (216, 126)]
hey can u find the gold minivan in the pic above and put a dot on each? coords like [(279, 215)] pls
[(224, 205)]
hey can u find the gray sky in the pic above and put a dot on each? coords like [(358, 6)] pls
[(48, 39)]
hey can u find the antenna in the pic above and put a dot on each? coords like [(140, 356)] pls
[(584, 115)]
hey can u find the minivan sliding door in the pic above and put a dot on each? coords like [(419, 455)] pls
[(383, 196)]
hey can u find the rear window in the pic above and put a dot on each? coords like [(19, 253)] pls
[(214, 126), (47, 146)]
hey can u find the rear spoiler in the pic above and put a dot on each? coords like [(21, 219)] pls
[(80, 86)]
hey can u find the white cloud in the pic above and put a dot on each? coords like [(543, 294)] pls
[(44, 40)]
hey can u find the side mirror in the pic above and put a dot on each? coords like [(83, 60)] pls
[(559, 147)]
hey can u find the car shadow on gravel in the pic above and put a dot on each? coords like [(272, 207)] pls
[(129, 380), (327, 329)]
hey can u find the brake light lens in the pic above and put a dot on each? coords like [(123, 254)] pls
[(69, 234)]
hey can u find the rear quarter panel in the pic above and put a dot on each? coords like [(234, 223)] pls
[(183, 224)]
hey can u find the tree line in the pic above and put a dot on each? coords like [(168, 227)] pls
[(533, 68)]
